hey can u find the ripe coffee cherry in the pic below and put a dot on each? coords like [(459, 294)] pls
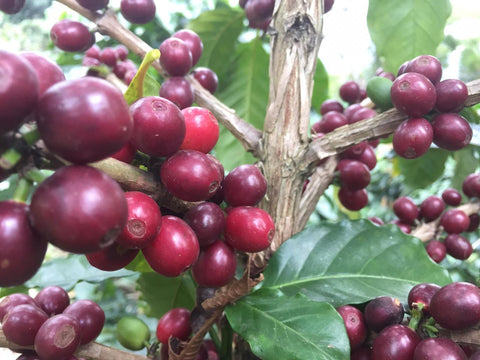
[(174, 323), (93, 5), (19, 90), (330, 121), (331, 105), (383, 311), (176, 58), (403, 226), (109, 56), (79, 209), (143, 221), (207, 78), (353, 199), (90, 317), (458, 246), (350, 91), (178, 90), (174, 250), (355, 151), (327, 5), (202, 129), (258, 11), (13, 300), (454, 221), (436, 250), (350, 110), (58, 338), (412, 138), (138, 11), (48, 72), (427, 65), (158, 126), (111, 258), (84, 120), (368, 157), (207, 220), (126, 154), (364, 352), (21, 324), (413, 94), (355, 325), (474, 222), (456, 306), (405, 209), (451, 131), (23, 249), (11, 6), (72, 36), (452, 197), (438, 348), (422, 294), (193, 42), (52, 299), (395, 342), (200, 176), (451, 95), (362, 114), (216, 265), (431, 208), (354, 175), (244, 186), (471, 185)]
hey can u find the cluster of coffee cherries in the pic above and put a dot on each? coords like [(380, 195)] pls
[(382, 331), (50, 323)]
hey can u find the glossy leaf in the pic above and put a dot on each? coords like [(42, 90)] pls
[(320, 86), (351, 262), (288, 328), (402, 30), (162, 293)]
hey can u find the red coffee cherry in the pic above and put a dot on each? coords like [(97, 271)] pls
[(413, 94), (355, 325), (72, 36), (52, 299), (111, 258), (405, 209), (90, 317), (438, 348), (454, 221), (436, 250), (422, 294), (202, 129), (244, 186), (215, 266), (21, 324), (395, 342), (174, 323)]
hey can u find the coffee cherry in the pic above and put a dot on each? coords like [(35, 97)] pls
[(331, 105), (245, 185), (207, 220), (383, 311), (178, 90), (19, 90), (158, 126), (90, 317), (48, 72), (361, 114), (474, 222), (412, 138), (21, 324), (216, 265), (364, 352), (438, 348), (405, 209), (452, 197), (327, 5), (105, 125), (368, 157), (456, 306), (111, 258), (207, 78), (193, 42), (13, 300), (174, 323), (378, 90), (403, 226), (93, 5), (138, 11), (11, 6), (79, 209), (249, 229), (126, 154), (454, 221), (354, 175), (350, 110), (431, 208), (143, 221), (72, 36), (200, 176), (23, 249), (353, 199), (436, 250), (174, 250), (451, 131), (202, 129), (422, 294), (451, 95), (258, 11), (458, 246), (52, 299), (108, 56), (395, 342), (355, 325), (330, 121), (350, 91), (58, 338), (413, 94), (176, 58), (427, 65), (132, 333), (471, 185)]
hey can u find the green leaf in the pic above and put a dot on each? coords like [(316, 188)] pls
[(143, 84), (219, 30), (402, 30), (320, 86), (280, 327), (139, 264), (163, 293), (247, 93), (66, 272), (466, 162), (423, 171), (351, 262)]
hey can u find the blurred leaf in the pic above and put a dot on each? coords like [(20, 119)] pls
[(402, 30), (163, 293), (139, 264), (4, 291), (351, 262), (423, 171), (320, 86), (289, 328), (143, 84), (66, 272), (247, 93), (466, 163)]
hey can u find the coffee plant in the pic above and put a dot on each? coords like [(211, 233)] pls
[(216, 200)]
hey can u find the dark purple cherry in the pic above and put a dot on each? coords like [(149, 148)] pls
[(90, 317), (327, 5), (436, 250), (11, 6), (474, 222), (454, 221), (458, 246), (361, 114), (52, 299), (395, 342), (111, 258), (427, 65), (471, 185), (21, 324), (138, 11), (48, 72), (383, 311), (79, 209), (412, 138), (245, 185), (216, 265), (332, 120), (72, 36), (350, 110), (13, 300), (405, 209), (438, 348), (422, 294), (355, 325), (350, 91), (452, 197), (451, 95), (451, 131), (353, 199), (431, 208), (259, 10), (207, 78), (109, 56), (207, 220), (364, 352), (178, 90), (413, 94), (354, 174), (331, 105), (93, 5), (176, 58), (193, 42)]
